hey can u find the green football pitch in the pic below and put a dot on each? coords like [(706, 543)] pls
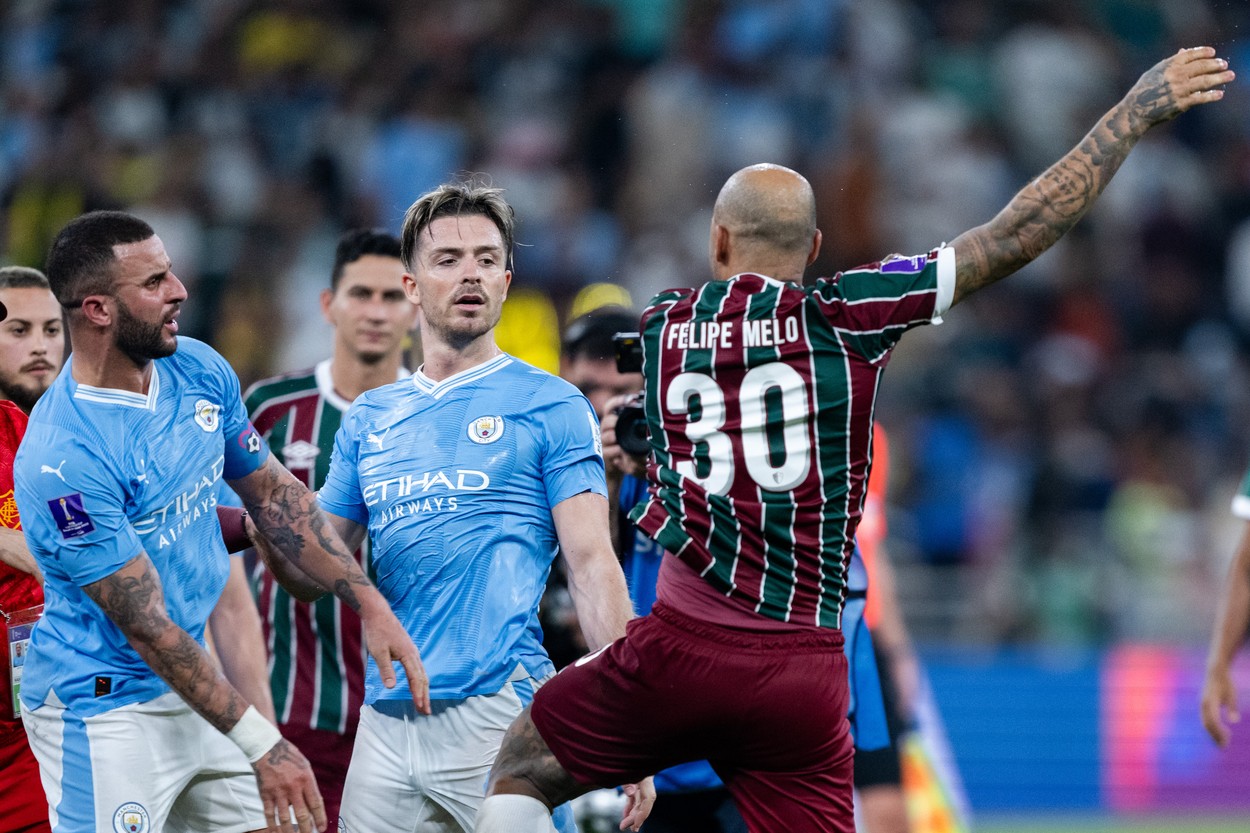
[(1103, 824)]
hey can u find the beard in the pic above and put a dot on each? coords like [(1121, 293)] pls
[(22, 394), (141, 341)]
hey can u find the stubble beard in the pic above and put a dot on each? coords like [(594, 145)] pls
[(140, 341)]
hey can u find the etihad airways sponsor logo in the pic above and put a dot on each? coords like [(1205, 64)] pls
[(197, 501), (417, 485)]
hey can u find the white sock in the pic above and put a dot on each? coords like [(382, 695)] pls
[(508, 813)]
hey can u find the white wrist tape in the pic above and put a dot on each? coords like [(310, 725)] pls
[(254, 735)]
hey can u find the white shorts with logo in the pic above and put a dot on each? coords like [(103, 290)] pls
[(428, 773), (143, 768)]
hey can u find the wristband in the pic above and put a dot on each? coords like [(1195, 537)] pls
[(254, 735), (233, 532)]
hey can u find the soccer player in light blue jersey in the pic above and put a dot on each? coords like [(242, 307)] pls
[(116, 484), (468, 476)]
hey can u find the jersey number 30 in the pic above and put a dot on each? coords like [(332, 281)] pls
[(771, 471)]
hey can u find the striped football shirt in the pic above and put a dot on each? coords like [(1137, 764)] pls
[(759, 403)]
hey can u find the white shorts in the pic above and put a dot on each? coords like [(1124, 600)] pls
[(427, 773), (143, 768)]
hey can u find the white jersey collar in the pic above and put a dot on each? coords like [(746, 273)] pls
[(437, 390), (114, 396)]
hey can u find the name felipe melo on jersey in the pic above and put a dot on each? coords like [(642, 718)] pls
[(703, 335)]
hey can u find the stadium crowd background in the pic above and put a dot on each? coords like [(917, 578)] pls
[(1066, 445)]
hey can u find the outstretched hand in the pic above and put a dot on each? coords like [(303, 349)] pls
[(1175, 84)]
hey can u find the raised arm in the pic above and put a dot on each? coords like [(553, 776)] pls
[(287, 514), (296, 582), (1051, 204), (134, 600)]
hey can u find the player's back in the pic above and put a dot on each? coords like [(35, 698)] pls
[(760, 398)]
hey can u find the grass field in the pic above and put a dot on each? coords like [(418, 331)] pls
[(1102, 824)]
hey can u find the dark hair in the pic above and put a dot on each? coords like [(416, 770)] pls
[(80, 262), (589, 336), (451, 200), (357, 243), (22, 277)]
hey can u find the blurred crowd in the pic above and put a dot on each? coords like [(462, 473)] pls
[(1067, 442)]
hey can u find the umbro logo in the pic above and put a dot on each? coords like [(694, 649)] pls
[(300, 454)]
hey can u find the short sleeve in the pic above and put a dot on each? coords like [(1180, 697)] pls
[(73, 509), (872, 306), (244, 449), (340, 494), (573, 456)]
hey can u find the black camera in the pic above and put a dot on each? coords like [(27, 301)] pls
[(631, 419)]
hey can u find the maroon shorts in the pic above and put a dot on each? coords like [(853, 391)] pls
[(23, 806), (329, 754), (768, 710)]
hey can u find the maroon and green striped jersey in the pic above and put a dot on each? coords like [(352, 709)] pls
[(316, 655), (759, 403)]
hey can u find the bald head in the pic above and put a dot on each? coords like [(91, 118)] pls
[(764, 222), (768, 205)]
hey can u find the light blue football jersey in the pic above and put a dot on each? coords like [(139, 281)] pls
[(103, 475), (456, 481)]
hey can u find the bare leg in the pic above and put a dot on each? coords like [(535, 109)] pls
[(526, 766)]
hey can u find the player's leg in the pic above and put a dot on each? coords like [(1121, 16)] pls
[(381, 789), (120, 770), (786, 754), (878, 772), (458, 743), (223, 796), (526, 783)]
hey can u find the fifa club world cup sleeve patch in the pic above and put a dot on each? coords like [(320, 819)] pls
[(71, 519)]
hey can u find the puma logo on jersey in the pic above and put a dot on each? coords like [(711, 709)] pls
[(376, 439), (46, 469)]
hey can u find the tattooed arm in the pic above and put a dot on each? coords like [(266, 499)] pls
[(1050, 205), (287, 514), (134, 600)]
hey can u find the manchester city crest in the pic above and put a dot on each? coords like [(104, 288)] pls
[(131, 817), (486, 429), (206, 414)]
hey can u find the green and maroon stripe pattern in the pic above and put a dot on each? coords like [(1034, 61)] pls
[(760, 400), (316, 656)]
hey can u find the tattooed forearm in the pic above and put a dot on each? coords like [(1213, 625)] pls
[(288, 516), (134, 600), (1045, 209)]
